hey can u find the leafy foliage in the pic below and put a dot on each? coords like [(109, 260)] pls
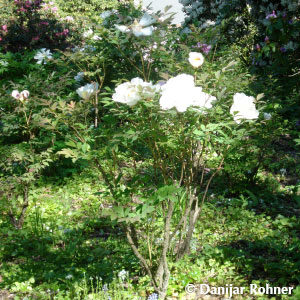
[(199, 197), (34, 25)]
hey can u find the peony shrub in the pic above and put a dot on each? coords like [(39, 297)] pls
[(187, 134), (179, 133)]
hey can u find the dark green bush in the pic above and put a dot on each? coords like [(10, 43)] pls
[(34, 25), (275, 24)]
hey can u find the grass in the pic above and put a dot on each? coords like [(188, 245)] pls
[(66, 249)]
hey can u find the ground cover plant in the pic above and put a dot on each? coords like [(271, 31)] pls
[(139, 158)]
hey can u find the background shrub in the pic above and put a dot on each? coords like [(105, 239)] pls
[(34, 25), (89, 8), (275, 26)]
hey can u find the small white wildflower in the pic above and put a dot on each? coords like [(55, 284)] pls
[(3, 63), (122, 275), (15, 94), (43, 55), (24, 94), (267, 116), (48, 228), (283, 172), (208, 23), (79, 76)]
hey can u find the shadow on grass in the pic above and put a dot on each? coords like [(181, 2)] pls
[(65, 259), (265, 260)]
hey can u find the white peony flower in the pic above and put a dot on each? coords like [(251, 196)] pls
[(127, 93), (176, 93), (132, 92), (196, 59), (244, 107), (139, 28), (15, 94), (147, 20), (180, 92), (122, 28), (147, 89), (20, 96), (43, 55), (24, 94), (137, 3), (86, 91), (202, 99)]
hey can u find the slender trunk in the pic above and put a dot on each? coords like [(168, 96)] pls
[(140, 257), (183, 247), (194, 215), (163, 274)]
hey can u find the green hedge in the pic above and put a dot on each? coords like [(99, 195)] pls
[(87, 8)]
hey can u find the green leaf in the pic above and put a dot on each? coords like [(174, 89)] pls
[(69, 153)]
